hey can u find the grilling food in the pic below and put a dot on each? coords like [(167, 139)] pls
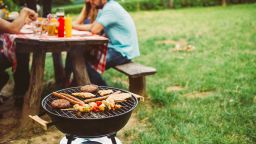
[(119, 97), (97, 106), (89, 124), (107, 100), (71, 99), (105, 92), (96, 99), (89, 88), (100, 98), (60, 103), (83, 94)]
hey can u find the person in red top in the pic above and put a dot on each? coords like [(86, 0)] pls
[(26, 16)]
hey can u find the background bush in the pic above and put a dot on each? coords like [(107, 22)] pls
[(135, 5), (74, 6), (11, 5)]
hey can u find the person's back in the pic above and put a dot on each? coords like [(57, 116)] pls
[(120, 29)]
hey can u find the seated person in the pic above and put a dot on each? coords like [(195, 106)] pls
[(86, 17), (120, 29), (26, 16)]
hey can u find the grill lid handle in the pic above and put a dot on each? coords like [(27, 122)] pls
[(45, 124)]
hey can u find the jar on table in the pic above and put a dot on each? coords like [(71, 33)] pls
[(53, 27)]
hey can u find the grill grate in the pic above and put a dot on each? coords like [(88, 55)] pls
[(127, 106)]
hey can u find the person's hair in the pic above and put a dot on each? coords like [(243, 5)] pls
[(88, 7), (91, 12)]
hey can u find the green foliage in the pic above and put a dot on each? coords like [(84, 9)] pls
[(11, 5), (70, 9), (135, 5), (61, 2), (192, 3)]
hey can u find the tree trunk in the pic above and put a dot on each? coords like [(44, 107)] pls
[(170, 3), (223, 2)]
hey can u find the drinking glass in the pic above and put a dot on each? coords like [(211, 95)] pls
[(60, 12), (37, 27)]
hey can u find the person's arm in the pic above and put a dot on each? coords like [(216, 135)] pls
[(14, 27), (107, 17), (6, 27), (82, 27), (97, 28), (26, 16)]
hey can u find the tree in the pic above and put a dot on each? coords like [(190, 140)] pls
[(170, 3), (224, 2), (167, 3)]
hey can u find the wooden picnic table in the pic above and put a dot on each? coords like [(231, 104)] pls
[(39, 48)]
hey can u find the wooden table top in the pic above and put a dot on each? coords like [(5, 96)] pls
[(24, 44), (31, 42)]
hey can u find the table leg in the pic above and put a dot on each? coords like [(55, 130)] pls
[(32, 98), (60, 78), (79, 69)]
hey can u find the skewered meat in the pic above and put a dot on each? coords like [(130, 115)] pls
[(84, 94), (97, 106), (85, 108), (60, 103), (105, 92), (96, 99), (100, 98), (89, 88)]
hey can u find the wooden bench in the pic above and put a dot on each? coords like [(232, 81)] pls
[(137, 76)]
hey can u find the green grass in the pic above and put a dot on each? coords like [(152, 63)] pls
[(224, 62)]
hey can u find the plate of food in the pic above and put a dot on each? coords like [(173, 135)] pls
[(26, 31), (80, 33)]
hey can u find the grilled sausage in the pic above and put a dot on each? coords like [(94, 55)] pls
[(67, 98), (96, 99), (73, 98), (100, 98)]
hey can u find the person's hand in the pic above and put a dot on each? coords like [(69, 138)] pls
[(29, 14), (75, 25)]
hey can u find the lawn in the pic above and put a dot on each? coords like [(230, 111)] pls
[(217, 100)]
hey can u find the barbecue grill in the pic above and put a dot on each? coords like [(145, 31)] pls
[(89, 124)]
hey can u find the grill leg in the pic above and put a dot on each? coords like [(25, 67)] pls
[(70, 138), (112, 137)]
